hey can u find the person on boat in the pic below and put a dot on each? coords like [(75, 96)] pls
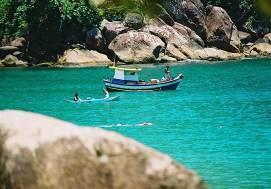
[(106, 94), (167, 73), (76, 97)]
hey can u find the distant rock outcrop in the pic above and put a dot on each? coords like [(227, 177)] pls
[(38, 152), (165, 16), (12, 54), (212, 54), (5, 50), (83, 57), (190, 13), (139, 47), (245, 37), (95, 40), (222, 33), (179, 39), (263, 49), (134, 21), (110, 30), (267, 38), (19, 42), (13, 61)]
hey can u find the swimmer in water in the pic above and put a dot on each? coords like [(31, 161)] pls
[(145, 124), (106, 94), (76, 98)]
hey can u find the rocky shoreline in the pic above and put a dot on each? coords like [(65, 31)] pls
[(185, 30)]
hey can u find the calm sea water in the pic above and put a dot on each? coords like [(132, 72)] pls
[(218, 122)]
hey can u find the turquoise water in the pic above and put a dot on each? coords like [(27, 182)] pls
[(218, 122)]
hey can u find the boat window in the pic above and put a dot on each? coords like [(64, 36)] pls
[(132, 73)]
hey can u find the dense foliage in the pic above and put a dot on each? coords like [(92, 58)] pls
[(116, 9), (47, 24)]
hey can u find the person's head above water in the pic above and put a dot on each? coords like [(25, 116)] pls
[(76, 94)]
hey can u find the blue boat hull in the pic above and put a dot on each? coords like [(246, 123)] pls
[(160, 86)]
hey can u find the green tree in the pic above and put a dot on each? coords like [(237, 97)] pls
[(48, 25), (117, 9)]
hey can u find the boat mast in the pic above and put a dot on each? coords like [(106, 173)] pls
[(114, 60)]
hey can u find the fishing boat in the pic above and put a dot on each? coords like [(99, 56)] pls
[(127, 79)]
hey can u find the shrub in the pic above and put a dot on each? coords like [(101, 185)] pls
[(47, 24)]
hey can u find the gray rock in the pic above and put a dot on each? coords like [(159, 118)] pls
[(110, 30), (13, 61), (263, 49), (78, 46), (246, 48), (190, 13), (134, 21), (95, 40), (180, 40), (5, 42), (166, 58), (83, 58), (267, 38), (44, 153), (245, 37), (215, 54), (19, 42), (222, 33), (18, 54), (195, 40), (5, 50), (165, 16), (260, 40), (44, 65), (137, 47)]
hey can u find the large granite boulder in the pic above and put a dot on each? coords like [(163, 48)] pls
[(215, 54), (19, 54), (194, 39), (222, 33), (245, 37), (19, 42), (95, 40), (13, 61), (166, 17), (83, 57), (110, 30), (190, 13), (134, 21), (263, 49), (5, 50), (180, 40), (45, 153), (137, 47), (267, 38)]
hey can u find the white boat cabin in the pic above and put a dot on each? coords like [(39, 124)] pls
[(125, 75)]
